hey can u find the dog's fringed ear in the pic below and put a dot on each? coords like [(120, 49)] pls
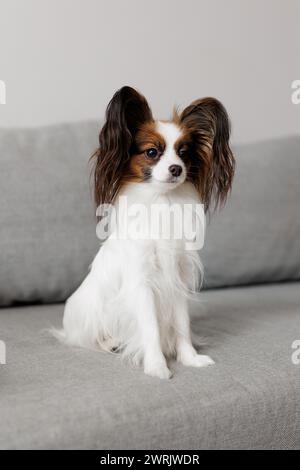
[(126, 111), (213, 167)]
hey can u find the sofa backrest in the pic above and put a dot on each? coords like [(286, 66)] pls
[(47, 218), (256, 237)]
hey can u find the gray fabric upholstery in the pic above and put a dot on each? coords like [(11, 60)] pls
[(55, 397), (256, 238), (47, 237)]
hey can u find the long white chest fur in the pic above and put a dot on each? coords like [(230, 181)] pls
[(136, 280)]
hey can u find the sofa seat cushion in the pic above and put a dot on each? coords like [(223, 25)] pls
[(55, 397)]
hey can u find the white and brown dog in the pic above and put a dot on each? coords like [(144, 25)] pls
[(134, 299)]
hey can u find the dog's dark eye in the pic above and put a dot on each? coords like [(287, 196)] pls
[(183, 152), (152, 153)]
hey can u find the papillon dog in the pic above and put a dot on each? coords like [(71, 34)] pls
[(134, 299)]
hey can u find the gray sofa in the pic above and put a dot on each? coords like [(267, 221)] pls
[(55, 397)]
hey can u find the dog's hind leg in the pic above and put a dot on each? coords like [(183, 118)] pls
[(82, 323)]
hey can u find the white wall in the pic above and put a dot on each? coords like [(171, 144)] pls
[(63, 59)]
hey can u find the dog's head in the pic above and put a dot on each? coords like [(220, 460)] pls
[(193, 146)]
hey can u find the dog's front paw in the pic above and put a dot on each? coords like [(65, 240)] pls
[(197, 360), (158, 370)]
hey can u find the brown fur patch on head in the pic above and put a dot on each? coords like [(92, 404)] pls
[(147, 137), (184, 145), (197, 162), (139, 165)]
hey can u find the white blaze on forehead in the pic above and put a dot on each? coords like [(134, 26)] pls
[(170, 133)]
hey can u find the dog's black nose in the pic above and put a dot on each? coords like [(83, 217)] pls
[(175, 170)]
